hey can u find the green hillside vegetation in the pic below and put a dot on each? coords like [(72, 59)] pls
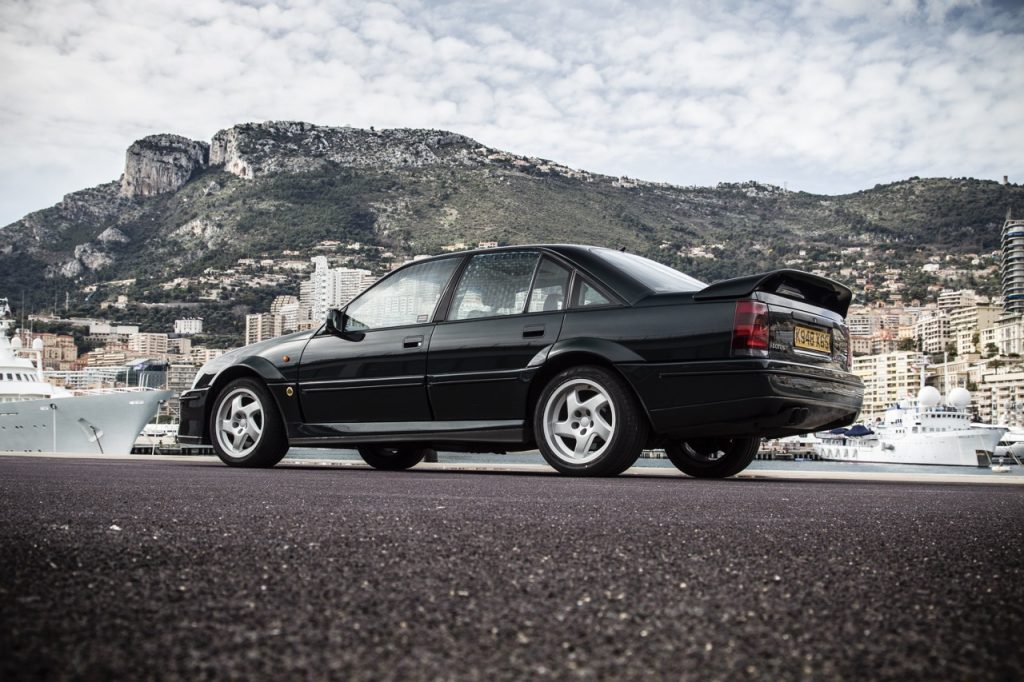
[(217, 218)]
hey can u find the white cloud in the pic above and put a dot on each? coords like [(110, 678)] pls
[(831, 95)]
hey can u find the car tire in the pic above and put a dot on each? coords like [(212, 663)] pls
[(587, 422), (392, 459), (246, 429), (713, 457)]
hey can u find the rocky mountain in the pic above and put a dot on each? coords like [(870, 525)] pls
[(258, 189)]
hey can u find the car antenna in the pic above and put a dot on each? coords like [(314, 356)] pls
[(622, 249)]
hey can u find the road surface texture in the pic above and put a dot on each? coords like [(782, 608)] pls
[(193, 570)]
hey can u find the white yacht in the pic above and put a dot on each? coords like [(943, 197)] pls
[(1012, 444), (36, 416), (921, 432)]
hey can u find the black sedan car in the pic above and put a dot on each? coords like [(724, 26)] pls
[(590, 355)]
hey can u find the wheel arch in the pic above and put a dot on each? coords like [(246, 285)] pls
[(256, 368), (589, 352)]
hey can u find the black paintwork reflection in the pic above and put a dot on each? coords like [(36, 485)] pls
[(476, 366), (375, 379), (658, 333)]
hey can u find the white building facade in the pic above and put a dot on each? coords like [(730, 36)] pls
[(333, 287), (887, 379), (189, 326)]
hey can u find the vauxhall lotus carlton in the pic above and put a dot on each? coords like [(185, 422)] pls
[(588, 354)]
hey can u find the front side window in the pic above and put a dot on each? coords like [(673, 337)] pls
[(407, 297), (494, 284)]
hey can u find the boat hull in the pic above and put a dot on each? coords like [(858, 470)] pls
[(102, 423), (949, 448)]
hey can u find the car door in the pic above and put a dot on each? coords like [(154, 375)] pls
[(377, 371), (507, 306)]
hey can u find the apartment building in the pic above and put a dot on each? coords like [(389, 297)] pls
[(887, 378), (1012, 269), (288, 308), (933, 332), (202, 355), (260, 326), (876, 344), (949, 300), (1007, 335), (148, 344), (999, 396), (189, 326), (59, 350), (334, 287), (966, 323)]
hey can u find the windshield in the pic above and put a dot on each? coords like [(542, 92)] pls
[(655, 276)]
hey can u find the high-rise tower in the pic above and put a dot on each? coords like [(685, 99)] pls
[(1013, 265)]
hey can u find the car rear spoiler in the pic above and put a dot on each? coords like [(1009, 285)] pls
[(803, 286)]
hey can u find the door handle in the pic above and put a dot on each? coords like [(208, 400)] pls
[(412, 342), (531, 330)]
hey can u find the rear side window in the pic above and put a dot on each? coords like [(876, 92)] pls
[(494, 284), (589, 296), (550, 289)]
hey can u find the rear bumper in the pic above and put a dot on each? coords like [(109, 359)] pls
[(765, 398), (192, 428)]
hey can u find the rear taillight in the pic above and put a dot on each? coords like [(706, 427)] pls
[(750, 329)]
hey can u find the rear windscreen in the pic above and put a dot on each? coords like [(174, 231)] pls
[(653, 275)]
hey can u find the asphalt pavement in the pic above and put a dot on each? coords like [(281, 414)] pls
[(146, 569)]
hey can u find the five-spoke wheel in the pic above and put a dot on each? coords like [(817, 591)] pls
[(588, 423), (246, 427)]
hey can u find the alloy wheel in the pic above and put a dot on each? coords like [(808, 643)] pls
[(239, 423), (579, 421)]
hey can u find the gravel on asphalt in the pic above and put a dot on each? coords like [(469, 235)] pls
[(171, 570)]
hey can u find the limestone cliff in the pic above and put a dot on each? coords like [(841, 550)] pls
[(254, 149), (161, 163)]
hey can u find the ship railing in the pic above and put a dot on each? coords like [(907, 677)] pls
[(110, 389)]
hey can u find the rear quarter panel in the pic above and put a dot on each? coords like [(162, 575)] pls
[(672, 332)]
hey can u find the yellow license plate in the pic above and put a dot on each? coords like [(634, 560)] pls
[(806, 338)]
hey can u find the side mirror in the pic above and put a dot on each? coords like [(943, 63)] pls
[(336, 323)]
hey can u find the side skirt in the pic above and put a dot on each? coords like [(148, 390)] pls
[(503, 431)]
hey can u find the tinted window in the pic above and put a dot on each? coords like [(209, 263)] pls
[(407, 297), (494, 284), (590, 296), (550, 289), (653, 275)]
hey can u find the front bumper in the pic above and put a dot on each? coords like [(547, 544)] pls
[(192, 427), (742, 398)]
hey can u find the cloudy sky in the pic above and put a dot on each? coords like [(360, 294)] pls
[(827, 96)]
